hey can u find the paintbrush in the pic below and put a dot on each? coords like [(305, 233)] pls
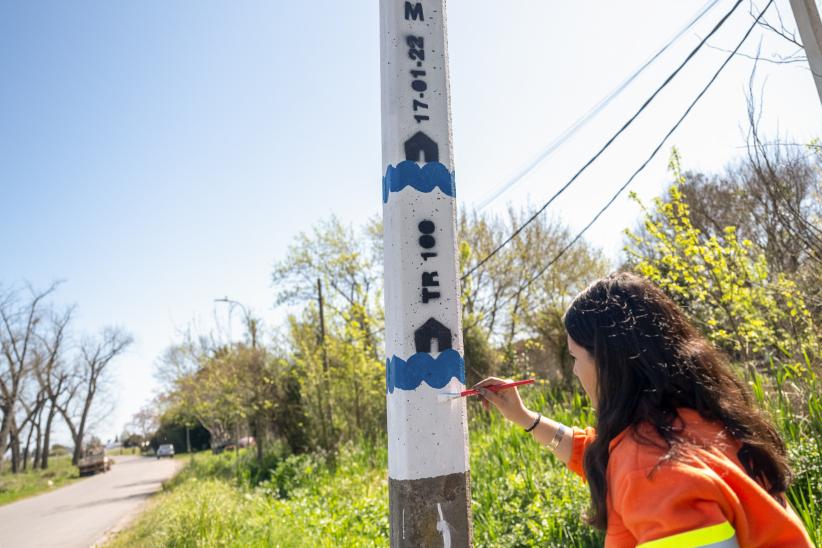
[(446, 396)]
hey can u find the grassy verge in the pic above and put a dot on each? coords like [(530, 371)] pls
[(792, 398), (14, 487), (521, 495), (304, 503)]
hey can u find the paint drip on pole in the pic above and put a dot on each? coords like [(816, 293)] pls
[(429, 491)]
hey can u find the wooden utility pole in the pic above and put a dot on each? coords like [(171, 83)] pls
[(237, 450), (324, 394), (428, 487), (810, 30), (322, 326)]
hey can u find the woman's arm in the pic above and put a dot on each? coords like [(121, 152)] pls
[(548, 432)]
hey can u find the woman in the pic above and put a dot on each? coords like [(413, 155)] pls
[(680, 455)]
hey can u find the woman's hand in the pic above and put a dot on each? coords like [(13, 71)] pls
[(507, 401)]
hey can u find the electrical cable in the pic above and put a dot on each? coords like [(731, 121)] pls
[(585, 118), (607, 144), (645, 163)]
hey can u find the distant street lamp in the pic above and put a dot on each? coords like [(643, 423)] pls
[(251, 325)]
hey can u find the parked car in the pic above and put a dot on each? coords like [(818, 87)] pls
[(165, 450), (231, 444), (226, 445)]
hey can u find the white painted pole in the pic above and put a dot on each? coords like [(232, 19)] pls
[(810, 30), (429, 493)]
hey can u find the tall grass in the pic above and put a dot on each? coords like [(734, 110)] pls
[(14, 487), (521, 495), (303, 503), (791, 396)]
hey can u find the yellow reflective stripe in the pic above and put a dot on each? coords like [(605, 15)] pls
[(697, 537)]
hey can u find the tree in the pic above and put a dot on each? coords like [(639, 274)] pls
[(92, 370), (773, 198), (184, 438), (53, 375), (215, 394), (512, 302), (146, 421), (355, 381), (203, 377), (348, 263), (17, 342), (223, 386), (753, 311), (32, 413)]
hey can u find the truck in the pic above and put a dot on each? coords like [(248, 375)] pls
[(94, 460)]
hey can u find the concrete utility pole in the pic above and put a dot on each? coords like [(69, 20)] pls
[(810, 30), (429, 492)]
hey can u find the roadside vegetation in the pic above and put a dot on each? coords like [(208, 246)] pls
[(522, 496), (741, 252), (308, 500), (32, 482)]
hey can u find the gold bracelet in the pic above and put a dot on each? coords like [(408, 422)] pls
[(557, 438)]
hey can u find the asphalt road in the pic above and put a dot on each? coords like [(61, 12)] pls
[(80, 514)]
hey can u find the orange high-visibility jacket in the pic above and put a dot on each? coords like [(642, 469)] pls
[(703, 497)]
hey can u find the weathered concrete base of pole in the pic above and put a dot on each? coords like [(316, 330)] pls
[(430, 511)]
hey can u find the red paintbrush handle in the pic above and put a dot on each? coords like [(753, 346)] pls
[(496, 387)]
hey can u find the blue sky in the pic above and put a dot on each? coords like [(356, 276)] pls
[(158, 155)]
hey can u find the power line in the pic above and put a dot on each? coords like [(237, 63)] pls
[(645, 163), (607, 144), (585, 118)]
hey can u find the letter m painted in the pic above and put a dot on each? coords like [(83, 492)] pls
[(413, 11)]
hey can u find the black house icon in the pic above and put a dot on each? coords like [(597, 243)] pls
[(432, 329), (421, 143)]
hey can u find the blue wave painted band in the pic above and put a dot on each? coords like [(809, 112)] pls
[(424, 179), (437, 372)]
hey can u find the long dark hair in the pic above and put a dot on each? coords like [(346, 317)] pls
[(650, 361)]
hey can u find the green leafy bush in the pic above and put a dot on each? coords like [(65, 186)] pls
[(521, 495), (726, 285)]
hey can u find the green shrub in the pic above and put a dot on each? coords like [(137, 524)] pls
[(294, 472), (521, 495)]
